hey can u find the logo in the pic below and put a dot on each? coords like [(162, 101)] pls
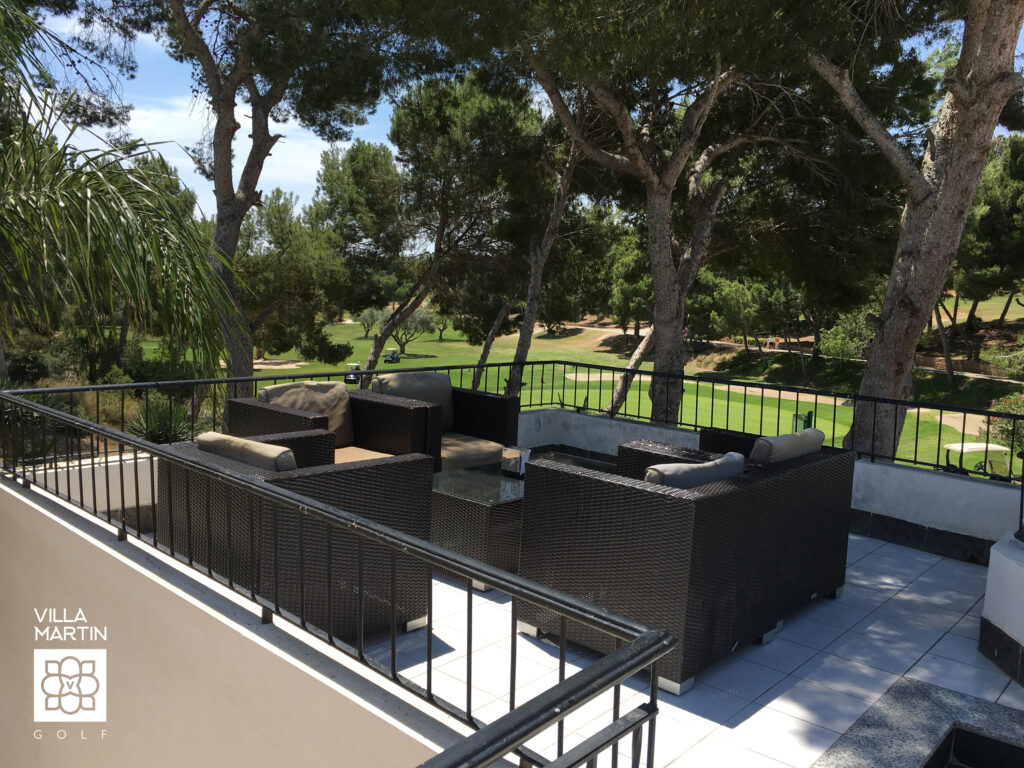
[(70, 685)]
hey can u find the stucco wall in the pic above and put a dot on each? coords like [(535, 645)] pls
[(186, 686), (599, 434), (1004, 597), (941, 500)]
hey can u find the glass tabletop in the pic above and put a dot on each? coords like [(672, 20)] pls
[(484, 485)]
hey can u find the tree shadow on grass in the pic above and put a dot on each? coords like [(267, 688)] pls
[(413, 356), (566, 333)]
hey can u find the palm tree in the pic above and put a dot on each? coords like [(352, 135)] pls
[(87, 227)]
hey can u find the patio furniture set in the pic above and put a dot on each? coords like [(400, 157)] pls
[(716, 546)]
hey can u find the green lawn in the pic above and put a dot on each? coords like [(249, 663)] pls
[(708, 401), (989, 309)]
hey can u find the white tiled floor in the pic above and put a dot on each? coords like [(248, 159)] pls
[(903, 612)]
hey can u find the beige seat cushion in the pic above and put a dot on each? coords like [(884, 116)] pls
[(430, 386), (328, 398), (270, 458), (680, 475), (460, 451), (355, 453), (770, 450)]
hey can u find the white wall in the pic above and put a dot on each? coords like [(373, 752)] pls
[(1004, 595), (942, 500), (186, 684), (591, 432)]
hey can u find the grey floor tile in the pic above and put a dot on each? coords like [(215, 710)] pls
[(1013, 696), (847, 676), (814, 703), (780, 654), (957, 676), (962, 649), (809, 632), (888, 654), (968, 626), (833, 612), (740, 677)]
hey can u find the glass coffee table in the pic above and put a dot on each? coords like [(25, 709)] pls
[(478, 512)]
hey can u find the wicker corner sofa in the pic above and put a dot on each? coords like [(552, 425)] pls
[(382, 423), (717, 566), (338, 585)]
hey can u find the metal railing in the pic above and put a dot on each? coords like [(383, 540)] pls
[(122, 480), (765, 409)]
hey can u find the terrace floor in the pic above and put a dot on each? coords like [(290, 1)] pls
[(904, 615)]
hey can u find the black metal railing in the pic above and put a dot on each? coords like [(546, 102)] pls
[(231, 524), (928, 438)]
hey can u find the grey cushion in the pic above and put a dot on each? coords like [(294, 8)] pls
[(270, 458), (459, 451), (328, 398), (692, 475), (429, 386), (770, 450)]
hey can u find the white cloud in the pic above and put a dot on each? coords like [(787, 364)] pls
[(176, 122)]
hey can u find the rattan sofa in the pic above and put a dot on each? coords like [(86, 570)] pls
[(255, 544), (718, 566), (382, 423)]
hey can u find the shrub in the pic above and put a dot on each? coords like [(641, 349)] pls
[(848, 338), (1009, 431), (1010, 365), (164, 421)]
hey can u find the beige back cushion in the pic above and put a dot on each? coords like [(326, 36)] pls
[(771, 450), (430, 386), (692, 475), (328, 398), (271, 458)]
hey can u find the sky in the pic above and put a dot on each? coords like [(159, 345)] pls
[(168, 116)]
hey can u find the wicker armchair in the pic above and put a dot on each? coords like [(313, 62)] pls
[(381, 423), (717, 566), (255, 545)]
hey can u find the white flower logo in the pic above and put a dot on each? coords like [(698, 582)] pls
[(70, 685)]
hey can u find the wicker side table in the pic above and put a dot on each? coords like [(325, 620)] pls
[(478, 514)]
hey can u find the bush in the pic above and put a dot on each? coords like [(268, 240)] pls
[(164, 421), (1010, 365), (1009, 431), (848, 338)]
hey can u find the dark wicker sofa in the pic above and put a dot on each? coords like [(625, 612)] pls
[(381, 423), (255, 545), (717, 566)]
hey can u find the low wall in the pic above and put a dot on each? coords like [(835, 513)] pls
[(1002, 618), (184, 683), (594, 433), (970, 506)]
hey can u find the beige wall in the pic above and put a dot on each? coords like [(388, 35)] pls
[(186, 687)]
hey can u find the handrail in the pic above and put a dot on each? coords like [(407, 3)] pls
[(491, 742), (820, 393), (641, 645)]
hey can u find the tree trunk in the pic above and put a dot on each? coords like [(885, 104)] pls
[(1006, 309), (491, 334), (627, 376), (412, 302), (237, 338), (5, 367), (122, 338), (538, 259), (946, 354), (799, 355), (939, 196), (667, 331)]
